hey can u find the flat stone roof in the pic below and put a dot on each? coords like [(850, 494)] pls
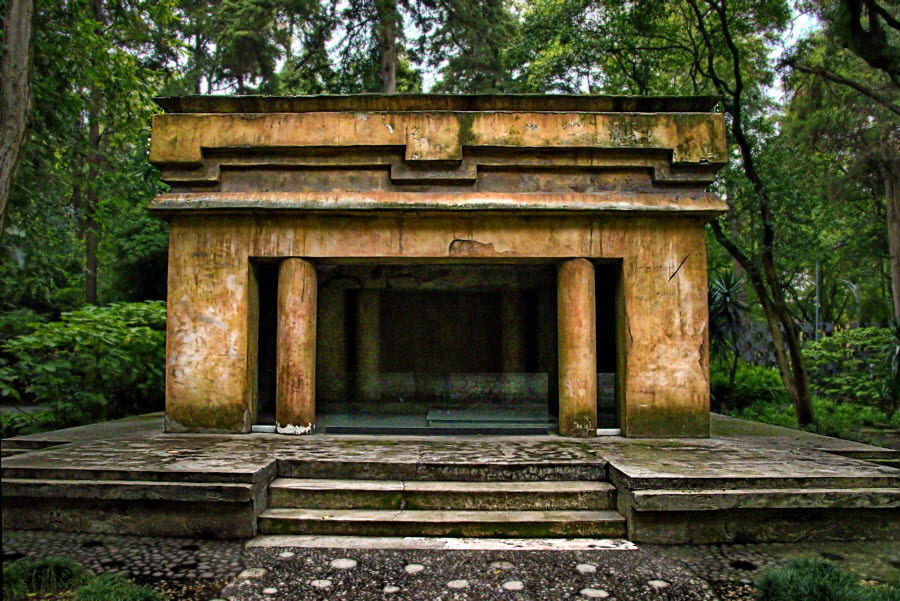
[(438, 102)]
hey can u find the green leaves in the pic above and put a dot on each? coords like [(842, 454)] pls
[(853, 366), (95, 363)]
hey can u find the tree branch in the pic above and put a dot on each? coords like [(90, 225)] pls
[(831, 76)]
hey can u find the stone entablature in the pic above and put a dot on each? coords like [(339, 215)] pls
[(432, 179)]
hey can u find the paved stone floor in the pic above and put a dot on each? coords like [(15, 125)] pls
[(275, 572)]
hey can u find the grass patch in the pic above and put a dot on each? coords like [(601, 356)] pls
[(118, 587), (817, 580), (41, 576), (25, 578)]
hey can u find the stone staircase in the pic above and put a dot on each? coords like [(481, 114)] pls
[(486, 500)]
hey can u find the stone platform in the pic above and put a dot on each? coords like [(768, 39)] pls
[(748, 482)]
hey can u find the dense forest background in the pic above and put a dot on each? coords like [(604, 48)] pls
[(810, 90)]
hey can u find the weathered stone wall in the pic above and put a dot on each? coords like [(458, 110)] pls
[(663, 363)]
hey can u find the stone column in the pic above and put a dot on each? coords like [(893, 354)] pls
[(295, 388), (576, 321), (368, 342), (512, 332)]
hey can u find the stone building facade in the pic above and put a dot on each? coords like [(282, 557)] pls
[(444, 260)]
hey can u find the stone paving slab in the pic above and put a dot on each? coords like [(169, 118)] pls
[(723, 426), (736, 463), (138, 446)]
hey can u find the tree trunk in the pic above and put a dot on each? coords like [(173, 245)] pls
[(891, 191), (16, 68), (91, 227), (387, 44), (785, 341)]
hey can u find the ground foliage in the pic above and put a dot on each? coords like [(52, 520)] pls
[(27, 579), (809, 579), (53, 574), (854, 366), (94, 364)]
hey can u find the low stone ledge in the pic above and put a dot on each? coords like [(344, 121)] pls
[(763, 525), (130, 490), (713, 500), (139, 517)]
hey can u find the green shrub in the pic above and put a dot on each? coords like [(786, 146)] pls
[(12, 424), (116, 586), (95, 363), (18, 322), (752, 384), (842, 420), (852, 365), (13, 583), (42, 576), (814, 579)]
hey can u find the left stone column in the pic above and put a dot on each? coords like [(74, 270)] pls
[(295, 387)]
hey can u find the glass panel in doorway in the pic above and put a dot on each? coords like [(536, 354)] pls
[(437, 348)]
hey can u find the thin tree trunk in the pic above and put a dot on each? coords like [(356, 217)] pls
[(387, 43), (91, 227), (891, 191), (16, 69), (763, 275)]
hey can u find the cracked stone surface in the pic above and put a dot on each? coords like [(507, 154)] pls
[(737, 450)]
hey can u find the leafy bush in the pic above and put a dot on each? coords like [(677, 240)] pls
[(842, 420), (96, 363), (118, 587), (853, 365), (12, 424), (18, 322), (816, 579), (41, 576), (752, 384)]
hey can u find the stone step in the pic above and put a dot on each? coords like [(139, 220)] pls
[(439, 471), (395, 494), (491, 524), (42, 469), (129, 490), (780, 498), (843, 478)]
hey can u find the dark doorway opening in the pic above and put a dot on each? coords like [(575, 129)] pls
[(437, 348)]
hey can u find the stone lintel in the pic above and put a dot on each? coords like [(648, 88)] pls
[(700, 205), (180, 139)]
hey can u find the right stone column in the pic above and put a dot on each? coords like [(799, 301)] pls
[(577, 327)]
